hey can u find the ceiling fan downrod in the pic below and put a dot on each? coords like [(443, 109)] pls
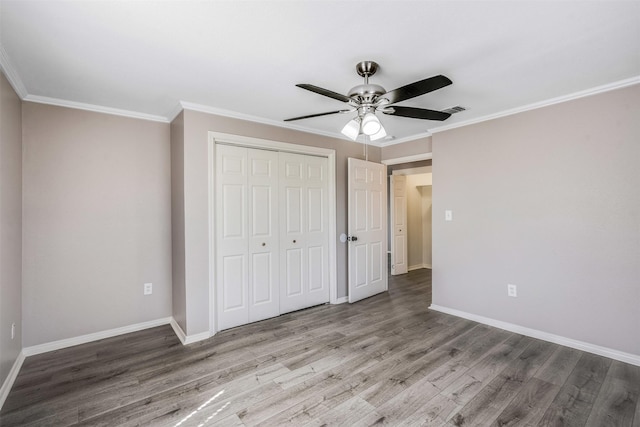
[(366, 94)]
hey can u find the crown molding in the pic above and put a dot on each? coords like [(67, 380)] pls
[(408, 159), (11, 74), (411, 138), (558, 100), (95, 108), (175, 111), (248, 117), (17, 84)]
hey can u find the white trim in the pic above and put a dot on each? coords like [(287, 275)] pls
[(245, 141), (188, 339), (340, 300), (94, 108), (248, 117), (408, 159), (11, 74), (546, 336), (418, 267), (411, 138), (560, 99), (11, 378), (174, 112), (83, 339), (211, 174), (333, 233)]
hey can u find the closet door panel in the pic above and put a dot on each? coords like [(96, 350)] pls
[(262, 182), (292, 236), (317, 225), (232, 253)]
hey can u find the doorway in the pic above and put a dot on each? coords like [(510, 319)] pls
[(418, 190)]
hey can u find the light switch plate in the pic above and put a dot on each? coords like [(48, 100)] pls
[(448, 215)]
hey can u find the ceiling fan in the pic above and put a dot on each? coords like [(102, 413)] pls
[(367, 99)]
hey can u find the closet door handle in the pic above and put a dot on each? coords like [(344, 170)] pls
[(264, 244), (294, 241)]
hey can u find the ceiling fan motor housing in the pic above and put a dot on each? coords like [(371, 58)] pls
[(366, 93)]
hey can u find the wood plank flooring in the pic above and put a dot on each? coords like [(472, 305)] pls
[(386, 360)]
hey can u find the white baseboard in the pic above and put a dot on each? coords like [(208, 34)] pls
[(188, 339), (11, 378), (419, 266), (341, 300), (70, 342), (632, 359)]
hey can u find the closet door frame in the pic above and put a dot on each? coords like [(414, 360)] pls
[(264, 144)]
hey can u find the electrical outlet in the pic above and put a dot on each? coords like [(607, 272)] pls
[(512, 290), (13, 330), (148, 288)]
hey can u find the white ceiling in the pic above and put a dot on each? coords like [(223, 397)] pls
[(244, 58)]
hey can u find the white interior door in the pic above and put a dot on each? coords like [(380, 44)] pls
[(367, 229), (304, 245), (247, 237), (398, 209)]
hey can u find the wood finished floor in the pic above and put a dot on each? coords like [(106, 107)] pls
[(386, 360)]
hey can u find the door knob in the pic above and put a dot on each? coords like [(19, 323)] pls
[(264, 244), (352, 238), (294, 241)]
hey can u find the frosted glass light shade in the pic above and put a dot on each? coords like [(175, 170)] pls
[(352, 129), (370, 124)]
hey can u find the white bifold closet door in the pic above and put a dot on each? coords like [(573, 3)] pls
[(247, 270), (304, 237), (272, 237)]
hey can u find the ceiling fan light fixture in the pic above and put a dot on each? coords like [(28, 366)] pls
[(380, 134), (370, 124), (352, 129)]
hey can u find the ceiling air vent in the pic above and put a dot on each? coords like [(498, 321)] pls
[(454, 110)]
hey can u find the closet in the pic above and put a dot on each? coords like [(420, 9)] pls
[(271, 233)]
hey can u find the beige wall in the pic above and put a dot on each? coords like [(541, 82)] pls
[(426, 192), (179, 306), (97, 222), (548, 200), (407, 149), (10, 226), (414, 221), (196, 204)]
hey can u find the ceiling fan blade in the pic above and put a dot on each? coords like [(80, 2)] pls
[(417, 88), (316, 115), (416, 113), (325, 92)]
